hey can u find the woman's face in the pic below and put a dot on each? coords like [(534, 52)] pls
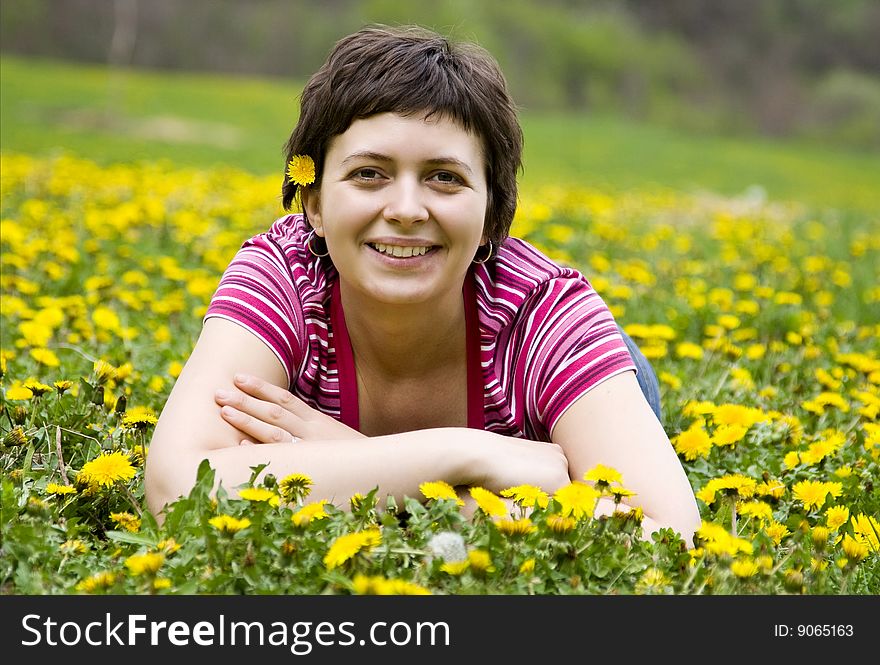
[(402, 205)]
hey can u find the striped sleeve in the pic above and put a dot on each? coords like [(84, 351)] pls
[(257, 292), (571, 343)]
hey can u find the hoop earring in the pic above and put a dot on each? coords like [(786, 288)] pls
[(312, 235), (488, 254)]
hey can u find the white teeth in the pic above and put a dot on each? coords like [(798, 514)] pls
[(398, 251)]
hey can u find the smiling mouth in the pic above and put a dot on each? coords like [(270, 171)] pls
[(399, 252)]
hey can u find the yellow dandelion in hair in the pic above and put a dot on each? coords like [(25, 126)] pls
[(347, 546), (439, 489), (301, 170), (488, 502), (105, 470)]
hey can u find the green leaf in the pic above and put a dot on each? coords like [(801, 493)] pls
[(133, 538)]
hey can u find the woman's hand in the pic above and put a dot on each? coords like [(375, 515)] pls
[(266, 413)]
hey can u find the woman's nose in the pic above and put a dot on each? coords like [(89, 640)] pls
[(405, 204)]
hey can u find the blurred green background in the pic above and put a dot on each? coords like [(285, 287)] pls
[(777, 98)]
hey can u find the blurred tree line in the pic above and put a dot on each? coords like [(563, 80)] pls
[(780, 67)]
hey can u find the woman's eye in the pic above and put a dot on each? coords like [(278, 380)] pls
[(447, 178), (366, 174)]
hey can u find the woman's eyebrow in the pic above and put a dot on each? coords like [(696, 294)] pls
[(433, 161)]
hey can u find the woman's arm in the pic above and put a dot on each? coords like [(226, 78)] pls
[(340, 461), (613, 425)]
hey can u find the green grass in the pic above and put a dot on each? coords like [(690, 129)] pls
[(207, 120)]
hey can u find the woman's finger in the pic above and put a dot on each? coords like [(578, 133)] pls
[(269, 392), (258, 430)]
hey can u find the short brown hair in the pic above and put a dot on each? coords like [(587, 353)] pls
[(410, 70)]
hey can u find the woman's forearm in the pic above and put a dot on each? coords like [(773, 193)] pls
[(397, 464)]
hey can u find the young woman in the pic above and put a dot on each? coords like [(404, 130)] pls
[(393, 333)]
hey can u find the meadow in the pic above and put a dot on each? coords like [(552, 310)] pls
[(746, 270)]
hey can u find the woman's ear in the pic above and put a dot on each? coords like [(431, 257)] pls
[(311, 203)]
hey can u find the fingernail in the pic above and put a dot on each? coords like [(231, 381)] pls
[(227, 411), (240, 378), (222, 394)]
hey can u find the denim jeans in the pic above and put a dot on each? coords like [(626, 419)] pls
[(646, 377)]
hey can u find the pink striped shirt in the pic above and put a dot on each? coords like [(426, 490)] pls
[(545, 336)]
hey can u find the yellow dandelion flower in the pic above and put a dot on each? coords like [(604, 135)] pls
[(561, 523), (259, 495), (772, 488), (867, 530), (603, 475), (689, 350), (480, 561), (347, 546), (836, 517), (45, 357), (521, 527), (855, 549), (18, 392), (692, 443), (74, 546), (127, 521), (53, 488), (653, 579), (527, 495), (439, 490), (309, 513), (455, 567), (527, 567), (96, 582), (810, 493), (758, 509), (381, 586), (777, 531), (744, 567), (577, 499), (301, 170), (161, 583), (488, 502), (228, 524), (728, 435), (138, 418), (106, 470), (37, 388), (145, 564), (295, 487)]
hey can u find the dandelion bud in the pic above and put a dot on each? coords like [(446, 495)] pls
[(18, 414), (820, 537), (269, 481), (794, 581), (15, 437)]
